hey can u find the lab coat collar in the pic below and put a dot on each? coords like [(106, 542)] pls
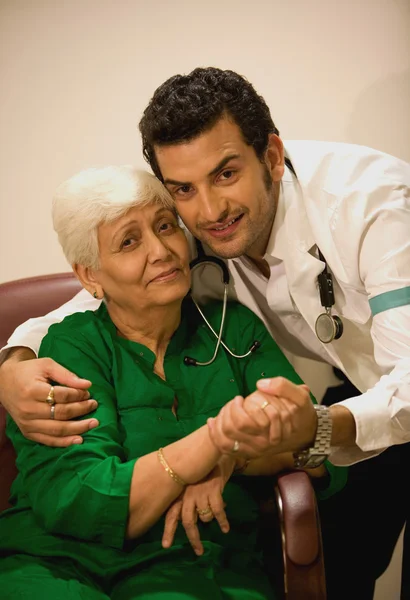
[(280, 242)]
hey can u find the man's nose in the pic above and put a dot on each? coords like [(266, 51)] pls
[(213, 206)]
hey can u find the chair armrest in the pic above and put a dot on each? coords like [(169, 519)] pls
[(8, 469), (301, 537)]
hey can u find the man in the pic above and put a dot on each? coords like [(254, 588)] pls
[(280, 217)]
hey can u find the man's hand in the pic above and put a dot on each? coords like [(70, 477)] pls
[(24, 386), (205, 496), (278, 417)]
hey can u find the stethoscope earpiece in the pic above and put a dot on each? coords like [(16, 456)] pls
[(189, 362)]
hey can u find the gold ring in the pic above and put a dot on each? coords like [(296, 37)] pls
[(264, 405), (50, 398), (203, 512), (52, 410), (235, 446)]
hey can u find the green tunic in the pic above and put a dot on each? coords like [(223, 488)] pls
[(65, 535)]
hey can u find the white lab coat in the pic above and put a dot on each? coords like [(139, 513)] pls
[(354, 204)]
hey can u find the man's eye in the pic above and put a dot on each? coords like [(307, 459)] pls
[(228, 174), (184, 189)]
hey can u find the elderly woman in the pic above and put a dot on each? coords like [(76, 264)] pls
[(88, 521)]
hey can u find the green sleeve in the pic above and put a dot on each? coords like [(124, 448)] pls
[(83, 490), (269, 361)]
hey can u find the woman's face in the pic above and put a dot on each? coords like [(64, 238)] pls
[(144, 259)]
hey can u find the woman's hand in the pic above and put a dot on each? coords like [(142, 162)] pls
[(202, 500), (277, 417), (240, 429)]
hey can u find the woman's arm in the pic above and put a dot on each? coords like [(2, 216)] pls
[(90, 490), (152, 488)]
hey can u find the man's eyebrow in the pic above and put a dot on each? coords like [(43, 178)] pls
[(222, 163), (214, 171)]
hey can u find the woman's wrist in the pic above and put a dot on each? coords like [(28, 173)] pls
[(193, 457)]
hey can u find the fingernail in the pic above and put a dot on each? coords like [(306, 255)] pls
[(225, 529), (77, 440), (86, 395), (210, 422), (198, 552), (165, 544), (93, 423), (263, 383), (93, 404)]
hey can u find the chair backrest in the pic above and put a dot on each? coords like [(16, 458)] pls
[(21, 300)]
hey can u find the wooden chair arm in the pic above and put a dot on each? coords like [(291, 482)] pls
[(301, 537)]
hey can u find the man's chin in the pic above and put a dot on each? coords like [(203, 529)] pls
[(227, 248)]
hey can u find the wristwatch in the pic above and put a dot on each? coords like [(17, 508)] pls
[(316, 455)]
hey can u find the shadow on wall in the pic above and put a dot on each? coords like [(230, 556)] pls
[(389, 96)]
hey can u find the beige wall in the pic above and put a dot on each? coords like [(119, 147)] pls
[(75, 77)]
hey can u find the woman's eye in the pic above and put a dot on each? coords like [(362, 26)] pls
[(127, 242), (168, 226)]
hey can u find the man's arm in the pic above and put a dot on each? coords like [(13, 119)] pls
[(380, 249), (25, 382), (24, 386)]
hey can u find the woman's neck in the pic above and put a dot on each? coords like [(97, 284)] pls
[(153, 327)]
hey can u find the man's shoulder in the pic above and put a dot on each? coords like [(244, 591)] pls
[(338, 168), (313, 153)]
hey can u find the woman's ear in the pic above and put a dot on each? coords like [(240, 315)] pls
[(275, 157), (88, 280)]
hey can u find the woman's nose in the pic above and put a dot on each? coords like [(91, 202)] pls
[(157, 249)]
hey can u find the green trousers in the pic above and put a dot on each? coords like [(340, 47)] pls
[(24, 577)]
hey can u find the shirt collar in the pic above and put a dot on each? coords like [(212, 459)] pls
[(277, 242)]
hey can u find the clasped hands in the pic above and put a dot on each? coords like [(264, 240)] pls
[(278, 417)]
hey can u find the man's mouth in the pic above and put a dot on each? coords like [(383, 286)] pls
[(226, 229)]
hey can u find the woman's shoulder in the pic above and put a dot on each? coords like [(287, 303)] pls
[(89, 325)]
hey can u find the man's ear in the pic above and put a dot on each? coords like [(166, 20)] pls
[(88, 279), (275, 157)]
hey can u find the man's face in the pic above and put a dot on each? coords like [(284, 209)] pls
[(224, 194)]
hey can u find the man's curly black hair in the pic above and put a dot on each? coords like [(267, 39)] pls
[(185, 106)]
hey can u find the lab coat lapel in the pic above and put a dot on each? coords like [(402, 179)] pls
[(302, 267)]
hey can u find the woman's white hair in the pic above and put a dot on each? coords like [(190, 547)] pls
[(100, 195)]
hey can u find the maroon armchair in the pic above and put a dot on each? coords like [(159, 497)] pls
[(293, 501)]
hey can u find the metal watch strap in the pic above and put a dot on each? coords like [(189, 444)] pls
[(316, 455)]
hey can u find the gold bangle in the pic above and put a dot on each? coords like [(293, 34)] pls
[(168, 469)]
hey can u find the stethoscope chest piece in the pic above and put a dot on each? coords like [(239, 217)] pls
[(328, 327)]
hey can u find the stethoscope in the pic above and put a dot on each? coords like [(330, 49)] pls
[(203, 259), (328, 327)]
